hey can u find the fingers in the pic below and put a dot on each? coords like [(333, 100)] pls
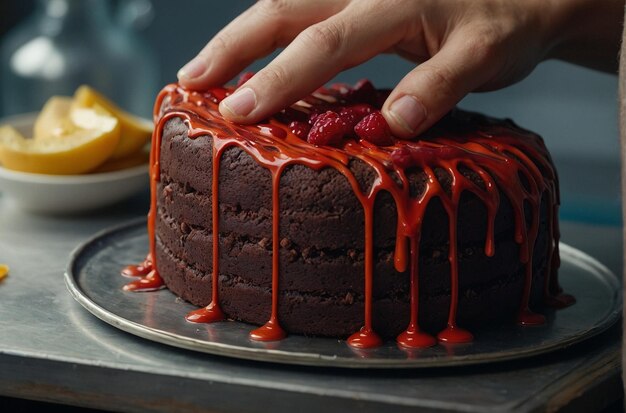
[(434, 87), (315, 56), (328, 36), (254, 34)]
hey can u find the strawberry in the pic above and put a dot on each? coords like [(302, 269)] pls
[(374, 128), (300, 129), (354, 113), (244, 78), (329, 129), (363, 92)]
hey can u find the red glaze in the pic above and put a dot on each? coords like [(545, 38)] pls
[(455, 335), (495, 151), (132, 271), (150, 279), (271, 331), (209, 314), (272, 131), (529, 318), (365, 338), (140, 270), (150, 282), (412, 337)]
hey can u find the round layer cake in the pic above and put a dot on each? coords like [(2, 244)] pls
[(453, 231)]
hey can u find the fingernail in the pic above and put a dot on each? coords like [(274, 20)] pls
[(240, 103), (196, 67), (408, 112)]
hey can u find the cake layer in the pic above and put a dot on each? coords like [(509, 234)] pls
[(340, 315), (318, 209), (335, 271)]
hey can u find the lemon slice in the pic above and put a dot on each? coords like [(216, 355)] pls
[(53, 119), (135, 132), (92, 135), (4, 271)]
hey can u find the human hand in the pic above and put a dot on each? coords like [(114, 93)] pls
[(460, 46)]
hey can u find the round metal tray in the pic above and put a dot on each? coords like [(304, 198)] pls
[(93, 278)]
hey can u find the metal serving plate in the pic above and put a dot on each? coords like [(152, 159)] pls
[(93, 278)]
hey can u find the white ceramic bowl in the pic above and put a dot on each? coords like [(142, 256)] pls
[(67, 194)]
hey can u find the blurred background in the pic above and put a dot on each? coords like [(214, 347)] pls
[(130, 48)]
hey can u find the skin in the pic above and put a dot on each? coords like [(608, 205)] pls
[(459, 46)]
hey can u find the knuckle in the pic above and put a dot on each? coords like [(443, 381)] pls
[(273, 8), (275, 76), (326, 37), (442, 80), (483, 44), (218, 44)]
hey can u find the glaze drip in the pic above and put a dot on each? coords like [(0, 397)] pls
[(503, 156), (149, 278)]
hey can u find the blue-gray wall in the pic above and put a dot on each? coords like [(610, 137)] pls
[(575, 109)]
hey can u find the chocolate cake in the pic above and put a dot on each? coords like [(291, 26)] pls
[(367, 239)]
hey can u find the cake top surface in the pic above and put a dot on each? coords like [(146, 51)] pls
[(330, 126)]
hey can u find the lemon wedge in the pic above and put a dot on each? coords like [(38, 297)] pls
[(4, 271), (53, 120), (87, 138), (135, 132)]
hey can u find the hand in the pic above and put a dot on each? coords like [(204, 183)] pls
[(459, 45)]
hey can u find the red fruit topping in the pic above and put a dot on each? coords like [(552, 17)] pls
[(216, 95), (300, 129), (363, 92), (374, 128), (313, 116), (290, 114), (342, 88), (331, 120), (244, 78), (354, 113), (320, 107), (402, 158), (329, 129)]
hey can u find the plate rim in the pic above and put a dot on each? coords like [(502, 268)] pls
[(84, 179), (604, 274)]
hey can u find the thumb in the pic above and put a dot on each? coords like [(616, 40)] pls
[(434, 87)]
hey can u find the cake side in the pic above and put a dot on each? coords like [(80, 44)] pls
[(322, 249), (457, 228)]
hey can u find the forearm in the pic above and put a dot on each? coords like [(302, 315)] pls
[(587, 32)]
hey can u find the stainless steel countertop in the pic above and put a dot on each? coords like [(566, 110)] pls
[(52, 349)]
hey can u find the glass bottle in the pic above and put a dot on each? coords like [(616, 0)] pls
[(66, 43)]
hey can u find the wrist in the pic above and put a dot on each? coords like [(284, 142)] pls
[(560, 26), (584, 32)]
